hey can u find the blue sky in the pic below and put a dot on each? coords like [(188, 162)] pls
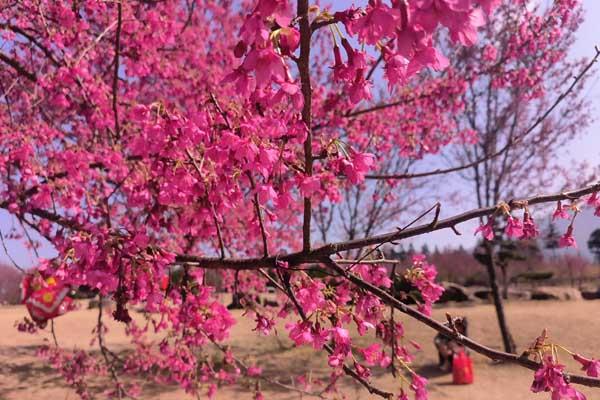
[(586, 147)]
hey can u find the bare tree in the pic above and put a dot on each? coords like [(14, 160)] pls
[(504, 116)]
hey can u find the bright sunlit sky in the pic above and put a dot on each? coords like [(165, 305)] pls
[(586, 147)]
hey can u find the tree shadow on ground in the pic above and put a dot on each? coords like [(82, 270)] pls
[(431, 371)]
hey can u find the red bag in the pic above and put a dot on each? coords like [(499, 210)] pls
[(462, 369), (164, 282)]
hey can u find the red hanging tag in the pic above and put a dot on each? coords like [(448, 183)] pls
[(45, 300)]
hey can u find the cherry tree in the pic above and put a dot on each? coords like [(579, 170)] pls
[(144, 137)]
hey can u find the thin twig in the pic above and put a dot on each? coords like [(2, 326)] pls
[(436, 206), (259, 215), (213, 100), (245, 368), (95, 41), (53, 332), (104, 350), (212, 207), (12, 260), (21, 70)]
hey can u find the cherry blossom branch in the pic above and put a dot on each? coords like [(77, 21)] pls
[(450, 333), (95, 42), (210, 204), (18, 67), (437, 207), (259, 216), (379, 107), (115, 83), (53, 332), (316, 254), (32, 39), (374, 67), (220, 110), (287, 290), (316, 25), (501, 151), (304, 70), (342, 261)]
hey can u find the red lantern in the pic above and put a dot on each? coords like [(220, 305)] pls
[(45, 299), (462, 369)]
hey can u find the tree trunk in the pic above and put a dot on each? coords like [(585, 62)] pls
[(507, 339), (571, 275), (503, 269)]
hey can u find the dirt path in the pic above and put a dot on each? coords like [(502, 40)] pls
[(574, 325)]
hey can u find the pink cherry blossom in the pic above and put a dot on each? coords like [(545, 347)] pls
[(567, 240), (422, 276), (590, 366), (514, 227), (490, 53), (418, 386), (487, 230), (593, 200), (310, 296), (550, 378), (561, 212), (530, 230), (289, 39)]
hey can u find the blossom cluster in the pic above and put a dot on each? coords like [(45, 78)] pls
[(526, 229)]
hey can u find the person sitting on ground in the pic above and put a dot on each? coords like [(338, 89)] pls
[(448, 347)]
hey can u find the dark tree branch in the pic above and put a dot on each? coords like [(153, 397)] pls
[(21, 70), (259, 216), (315, 255), (304, 69)]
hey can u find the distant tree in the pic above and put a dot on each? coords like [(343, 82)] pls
[(9, 285), (510, 251), (499, 116), (551, 239), (576, 265), (398, 253), (425, 250), (458, 266), (594, 244)]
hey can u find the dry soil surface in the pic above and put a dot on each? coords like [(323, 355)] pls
[(574, 324)]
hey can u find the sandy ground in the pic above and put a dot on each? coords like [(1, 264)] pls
[(575, 325)]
